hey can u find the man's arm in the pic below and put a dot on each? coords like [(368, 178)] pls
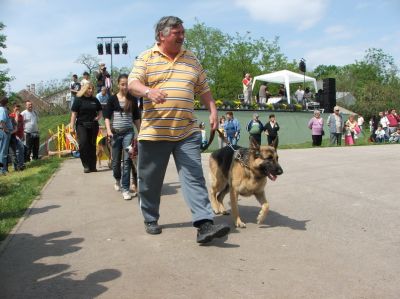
[(208, 101), (140, 90)]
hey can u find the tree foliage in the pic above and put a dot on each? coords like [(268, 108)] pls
[(89, 61), (227, 58), (374, 81), (4, 78)]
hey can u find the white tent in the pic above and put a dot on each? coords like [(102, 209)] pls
[(285, 77)]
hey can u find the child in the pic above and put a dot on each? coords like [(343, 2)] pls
[(203, 134), (395, 136), (380, 134)]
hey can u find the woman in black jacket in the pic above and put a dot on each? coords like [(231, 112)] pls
[(271, 129), (86, 112)]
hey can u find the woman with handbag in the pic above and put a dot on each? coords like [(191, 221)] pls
[(316, 125), (86, 112)]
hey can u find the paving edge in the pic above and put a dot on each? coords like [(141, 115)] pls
[(11, 234)]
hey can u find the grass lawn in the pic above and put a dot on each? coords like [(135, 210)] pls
[(18, 189), (47, 122)]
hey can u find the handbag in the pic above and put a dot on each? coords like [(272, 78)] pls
[(322, 133)]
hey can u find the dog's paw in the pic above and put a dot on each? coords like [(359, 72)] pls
[(240, 224), (262, 214)]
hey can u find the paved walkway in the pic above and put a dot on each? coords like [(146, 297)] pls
[(333, 232)]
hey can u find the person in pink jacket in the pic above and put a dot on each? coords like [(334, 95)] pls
[(316, 124)]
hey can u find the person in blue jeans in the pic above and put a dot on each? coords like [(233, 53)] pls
[(121, 114), (232, 128), (6, 128)]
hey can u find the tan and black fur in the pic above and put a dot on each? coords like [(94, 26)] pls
[(103, 147), (242, 172)]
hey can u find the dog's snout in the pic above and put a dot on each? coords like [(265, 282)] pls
[(279, 170)]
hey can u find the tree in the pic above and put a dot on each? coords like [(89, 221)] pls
[(4, 78), (89, 61), (227, 58)]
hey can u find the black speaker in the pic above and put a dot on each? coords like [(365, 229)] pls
[(329, 85), (328, 101)]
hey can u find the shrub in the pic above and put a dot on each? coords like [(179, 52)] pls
[(254, 106), (197, 104), (298, 107), (237, 104), (219, 103)]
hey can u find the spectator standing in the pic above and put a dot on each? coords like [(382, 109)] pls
[(299, 95), (6, 128), (307, 95), (86, 79), (350, 130), (393, 120), (31, 130), (74, 87), (221, 127), (383, 120), (101, 77), (247, 88), (282, 91), (103, 96), (271, 129), (203, 132), (262, 93), (335, 124), (316, 124), (360, 122), (160, 136), (121, 115), (232, 128), (255, 128), (17, 136), (85, 114)]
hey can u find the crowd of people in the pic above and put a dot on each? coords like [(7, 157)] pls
[(19, 135)]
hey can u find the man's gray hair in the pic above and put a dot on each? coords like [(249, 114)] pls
[(165, 24)]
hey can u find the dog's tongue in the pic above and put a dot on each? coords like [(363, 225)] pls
[(272, 177)]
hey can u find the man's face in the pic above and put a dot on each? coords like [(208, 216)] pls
[(29, 106), (228, 117), (337, 111), (16, 110), (103, 91), (174, 41)]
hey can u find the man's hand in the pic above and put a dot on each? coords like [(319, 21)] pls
[(158, 96), (213, 121)]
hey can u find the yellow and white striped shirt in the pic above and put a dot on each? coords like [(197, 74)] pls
[(182, 79)]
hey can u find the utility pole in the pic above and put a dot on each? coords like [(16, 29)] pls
[(110, 45)]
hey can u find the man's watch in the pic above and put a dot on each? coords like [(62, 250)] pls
[(147, 92)]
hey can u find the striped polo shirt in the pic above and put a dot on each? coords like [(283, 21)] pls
[(182, 79)]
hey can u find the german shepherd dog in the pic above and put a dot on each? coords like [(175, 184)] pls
[(103, 147), (242, 172)]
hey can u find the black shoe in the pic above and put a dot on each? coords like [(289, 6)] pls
[(93, 170), (152, 228), (86, 170), (208, 231)]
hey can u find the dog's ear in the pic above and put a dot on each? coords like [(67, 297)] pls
[(254, 144)]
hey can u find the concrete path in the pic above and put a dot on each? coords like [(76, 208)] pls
[(333, 232)]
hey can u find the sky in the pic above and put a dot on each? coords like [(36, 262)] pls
[(45, 38)]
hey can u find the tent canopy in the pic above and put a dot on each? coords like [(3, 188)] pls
[(285, 77)]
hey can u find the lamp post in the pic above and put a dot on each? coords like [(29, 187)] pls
[(110, 45)]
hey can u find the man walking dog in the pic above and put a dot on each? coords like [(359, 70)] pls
[(168, 77)]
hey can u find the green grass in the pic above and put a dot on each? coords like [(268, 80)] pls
[(47, 122), (18, 189)]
